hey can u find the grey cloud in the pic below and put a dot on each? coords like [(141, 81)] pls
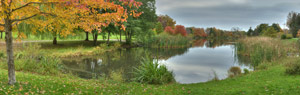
[(228, 13)]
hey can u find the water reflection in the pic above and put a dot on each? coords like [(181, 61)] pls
[(190, 65)]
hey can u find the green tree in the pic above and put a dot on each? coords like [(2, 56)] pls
[(259, 29), (159, 28), (250, 32), (277, 27), (270, 32), (293, 22)]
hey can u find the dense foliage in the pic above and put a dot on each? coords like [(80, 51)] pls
[(152, 72)]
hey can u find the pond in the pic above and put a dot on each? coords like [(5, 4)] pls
[(201, 62)]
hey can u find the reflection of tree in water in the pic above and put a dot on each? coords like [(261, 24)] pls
[(93, 67), (213, 43), (165, 53), (199, 43)]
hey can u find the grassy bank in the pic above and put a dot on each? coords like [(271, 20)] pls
[(272, 80)]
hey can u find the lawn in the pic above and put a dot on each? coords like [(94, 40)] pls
[(272, 80)]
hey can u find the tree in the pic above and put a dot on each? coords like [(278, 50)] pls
[(170, 30), (293, 22), (250, 32), (166, 20), (159, 28), (270, 32), (98, 14), (277, 27), (16, 11), (199, 32), (259, 29), (180, 29)]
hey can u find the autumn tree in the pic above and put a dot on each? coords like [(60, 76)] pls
[(199, 32), (98, 14), (169, 30), (180, 29), (166, 20), (16, 11)]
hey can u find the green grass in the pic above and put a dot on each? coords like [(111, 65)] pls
[(272, 79), (269, 81)]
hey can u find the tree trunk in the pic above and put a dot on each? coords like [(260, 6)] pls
[(1, 35), (55, 41), (87, 36), (10, 55), (95, 39), (120, 37), (108, 37)]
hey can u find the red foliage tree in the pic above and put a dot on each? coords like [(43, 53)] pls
[(180, 29), (170, 30), (199, 32)]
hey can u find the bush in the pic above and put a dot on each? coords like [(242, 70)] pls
[(283, 36), (289, 36), (293, 68), (152, 73), (261, 49), (32, 59), (234, 71), (164, 40), (246, 71)]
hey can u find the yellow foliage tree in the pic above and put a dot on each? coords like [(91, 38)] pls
[(13, 12)]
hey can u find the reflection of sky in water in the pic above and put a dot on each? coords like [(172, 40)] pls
[(198, 64)]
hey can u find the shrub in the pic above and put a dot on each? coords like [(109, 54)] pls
[(289, 36), (164, 40), (283, 36), (246, 71), (293, 68), (234, 71), (32, 59), (261, 49), (152, 72), (117, 75)]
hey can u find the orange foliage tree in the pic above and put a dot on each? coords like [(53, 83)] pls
[(180, 29), (97, 14), (13, 12), (199, 32)]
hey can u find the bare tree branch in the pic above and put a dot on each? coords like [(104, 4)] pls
[(24, 18)]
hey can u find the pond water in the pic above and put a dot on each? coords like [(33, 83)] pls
[(202, 62)]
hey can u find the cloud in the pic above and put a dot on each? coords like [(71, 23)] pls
[(227, 13)]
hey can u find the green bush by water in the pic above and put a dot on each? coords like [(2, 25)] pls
[(164, 40), (151, 72), (293, 68), (261, 49), (32, 59)]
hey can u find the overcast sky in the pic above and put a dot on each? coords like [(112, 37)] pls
[(226, 14)]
